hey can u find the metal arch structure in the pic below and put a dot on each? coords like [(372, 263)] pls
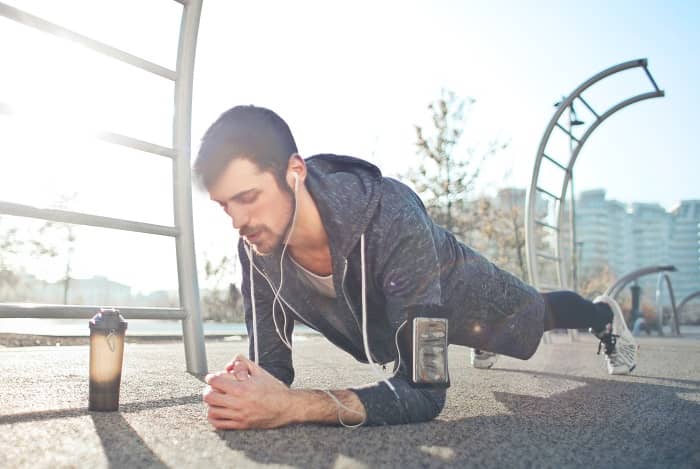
[(615, 289), (664, 278), (675, 319), (687, 300), (183, 232), (535, 191)]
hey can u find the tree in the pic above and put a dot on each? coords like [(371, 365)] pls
[(62, 241), (445, 179), (596, 281), (501, 233), (9, 245), (219, 303), (513, 238), (16, 245)]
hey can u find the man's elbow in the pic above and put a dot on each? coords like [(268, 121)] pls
[(434, 403)]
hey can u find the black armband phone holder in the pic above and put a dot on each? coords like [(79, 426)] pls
[(425, 341)]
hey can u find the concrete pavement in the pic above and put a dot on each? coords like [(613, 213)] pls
[(559, 409)]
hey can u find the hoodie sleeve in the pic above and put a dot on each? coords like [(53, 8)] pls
[(413, 405), (407, 262), (275, 356), (408, 272)]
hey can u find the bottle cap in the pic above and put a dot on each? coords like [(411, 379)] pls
[(108, 319)]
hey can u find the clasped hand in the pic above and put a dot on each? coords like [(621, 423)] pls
[(245, 396)]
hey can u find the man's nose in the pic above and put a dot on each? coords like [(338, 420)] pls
[(239, 218)]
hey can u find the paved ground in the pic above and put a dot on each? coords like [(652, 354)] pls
[(560, 409)]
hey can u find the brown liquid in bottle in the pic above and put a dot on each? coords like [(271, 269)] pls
[(106, 356)]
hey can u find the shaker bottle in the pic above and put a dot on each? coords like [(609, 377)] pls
[(107, 329)]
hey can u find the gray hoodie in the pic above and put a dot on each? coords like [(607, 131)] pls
[(413, 266)]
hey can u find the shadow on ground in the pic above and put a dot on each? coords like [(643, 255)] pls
[(602, 423), (122, 445)]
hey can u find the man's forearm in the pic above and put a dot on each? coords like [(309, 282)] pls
[(312, 405)]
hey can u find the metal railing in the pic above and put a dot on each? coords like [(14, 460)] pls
[(182, 231)]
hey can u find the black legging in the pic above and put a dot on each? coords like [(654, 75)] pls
[(569, 310)]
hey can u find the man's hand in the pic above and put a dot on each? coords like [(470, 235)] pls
[(246, 396)]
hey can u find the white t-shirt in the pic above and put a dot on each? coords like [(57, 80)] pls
[(321, 283)]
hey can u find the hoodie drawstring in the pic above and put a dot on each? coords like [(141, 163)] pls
[(256, 355), (365, 337)]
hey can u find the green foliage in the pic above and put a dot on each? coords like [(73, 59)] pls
[(10, 245)]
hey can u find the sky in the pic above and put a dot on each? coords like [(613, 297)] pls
[(349, 78)]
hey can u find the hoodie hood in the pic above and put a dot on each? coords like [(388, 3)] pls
[(346, 191)]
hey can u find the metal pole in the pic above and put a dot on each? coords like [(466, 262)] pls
[(48, 27), (572, 209), (192, 331), (33, 310), (573, 333)]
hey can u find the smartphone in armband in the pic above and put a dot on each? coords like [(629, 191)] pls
[(429, 352)]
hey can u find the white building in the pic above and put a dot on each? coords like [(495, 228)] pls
[(626, 238), (684, 247)]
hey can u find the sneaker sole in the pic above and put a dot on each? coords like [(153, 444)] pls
[(617, 314), (623, 372)]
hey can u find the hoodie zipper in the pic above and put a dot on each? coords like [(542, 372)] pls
[(342, 287), (352, 311)]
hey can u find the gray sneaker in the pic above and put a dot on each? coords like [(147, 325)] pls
[(482, 359), (621, 350)]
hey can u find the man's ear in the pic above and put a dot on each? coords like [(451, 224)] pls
[(293, 181), (296, 171)]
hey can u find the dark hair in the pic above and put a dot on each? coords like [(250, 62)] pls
[(251, 132)]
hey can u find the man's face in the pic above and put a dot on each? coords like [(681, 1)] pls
[(259, 209)]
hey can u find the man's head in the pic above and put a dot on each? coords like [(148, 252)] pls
[(251, 132), (248, 162)]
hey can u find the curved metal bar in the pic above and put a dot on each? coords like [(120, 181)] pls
[(686, 300), (675, 327), (623, 281), (192, 330), (582, 141)]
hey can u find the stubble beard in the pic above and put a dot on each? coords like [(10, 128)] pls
[(280, 238)]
